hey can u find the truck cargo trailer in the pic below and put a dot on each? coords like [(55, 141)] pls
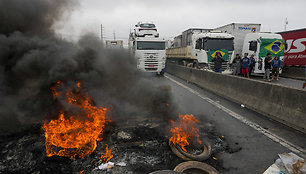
[(295, 54)]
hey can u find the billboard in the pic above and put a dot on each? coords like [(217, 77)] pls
[(295, 54)]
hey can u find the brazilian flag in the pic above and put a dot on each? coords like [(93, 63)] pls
[(273, 46), (212, 54)]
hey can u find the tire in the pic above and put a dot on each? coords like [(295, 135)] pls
[(183, 167), (177, 153), (201, 157)]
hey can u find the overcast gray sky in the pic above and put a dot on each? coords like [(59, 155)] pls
[(174, 16)]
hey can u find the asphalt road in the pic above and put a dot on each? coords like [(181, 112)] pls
[(261, 138), (293, 83)]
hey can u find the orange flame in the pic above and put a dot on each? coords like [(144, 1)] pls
[(108, 155), (184, 130), (54, 89), (70, 137)]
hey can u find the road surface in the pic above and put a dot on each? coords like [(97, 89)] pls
[(261, 139), (293, 83)]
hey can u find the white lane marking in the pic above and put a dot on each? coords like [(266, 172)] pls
[(253, 125)]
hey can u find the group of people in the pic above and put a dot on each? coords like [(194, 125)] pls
[(272, 63), (244, 65), (247, 64)]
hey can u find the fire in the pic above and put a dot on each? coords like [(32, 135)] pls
[(69, 136), (108, 155), (184, 130), (54, 89)]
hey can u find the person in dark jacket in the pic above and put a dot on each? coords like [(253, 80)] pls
[(245, 64), (252, 65), (276, 65), (218, 62), (268, 61), (236, 65)]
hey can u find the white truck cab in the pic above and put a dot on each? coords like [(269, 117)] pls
[(199, 46), (260, 44), (206, 44), (150, 53), (249, 39)]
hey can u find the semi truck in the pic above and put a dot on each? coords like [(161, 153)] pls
[(295, 54), (114, 44), (148, 49), (198, 47), (249, 39)]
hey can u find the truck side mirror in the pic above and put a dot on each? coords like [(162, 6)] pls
[(253, 46)]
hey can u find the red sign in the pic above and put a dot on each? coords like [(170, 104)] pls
[(296, 51)]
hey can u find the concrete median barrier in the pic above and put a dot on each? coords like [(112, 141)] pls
[(283, 104)]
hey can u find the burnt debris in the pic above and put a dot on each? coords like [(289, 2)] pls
[(139, 143)]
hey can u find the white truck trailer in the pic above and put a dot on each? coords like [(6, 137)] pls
[(248, 39), (150, 52), (199, 46)]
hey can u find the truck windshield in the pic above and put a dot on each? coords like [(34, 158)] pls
[(212, 44), (144, 45)]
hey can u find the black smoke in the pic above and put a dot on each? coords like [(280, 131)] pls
[(35, 17), (33, 58)]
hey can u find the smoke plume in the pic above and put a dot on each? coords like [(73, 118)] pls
[(33, 58)]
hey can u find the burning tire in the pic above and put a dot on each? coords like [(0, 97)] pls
[(195, 167), (177, 153), (188, 156), (201, 157)]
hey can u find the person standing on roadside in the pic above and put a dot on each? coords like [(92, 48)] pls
[(276, 65), (252, 64), (268, 61), (245, 64), (218, 62), (236, 65)]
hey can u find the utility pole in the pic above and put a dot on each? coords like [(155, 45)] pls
[(101, 33), (114, 35), (286, 23)]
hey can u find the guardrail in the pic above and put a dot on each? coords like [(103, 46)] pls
[(284, 104)]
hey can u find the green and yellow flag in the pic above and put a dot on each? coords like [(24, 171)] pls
[(273, 46), (212, 54)]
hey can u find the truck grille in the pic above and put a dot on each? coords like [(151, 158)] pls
[(211, 65), (151, 61)]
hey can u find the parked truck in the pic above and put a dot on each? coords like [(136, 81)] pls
[(148, 48), (249, 39), (199, 46), (114, 44), (295, 54)]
